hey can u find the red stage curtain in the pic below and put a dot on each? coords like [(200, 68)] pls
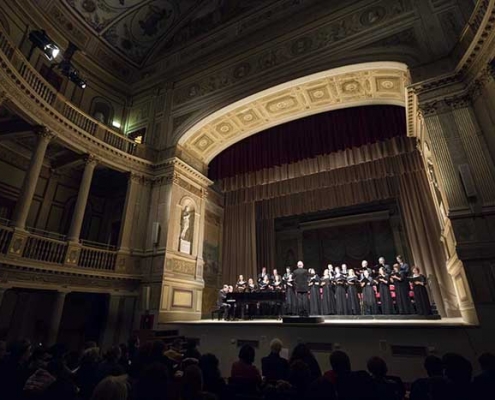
[(308, 137)]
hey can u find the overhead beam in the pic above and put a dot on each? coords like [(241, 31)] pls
[(66, 161), (15, 135)]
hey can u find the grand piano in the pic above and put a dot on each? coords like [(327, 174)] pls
[(267, 304)]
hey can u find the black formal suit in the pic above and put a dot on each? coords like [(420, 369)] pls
[(300, 276)]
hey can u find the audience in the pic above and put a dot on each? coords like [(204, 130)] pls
[(158, 372), (274, 367)]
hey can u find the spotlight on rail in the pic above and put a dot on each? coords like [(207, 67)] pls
[(78, 81), (41, 40)]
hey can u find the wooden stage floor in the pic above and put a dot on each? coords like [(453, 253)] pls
[(361, 321)]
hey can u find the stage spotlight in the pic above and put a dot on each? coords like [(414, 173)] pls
[(41, 40), (74, 77)]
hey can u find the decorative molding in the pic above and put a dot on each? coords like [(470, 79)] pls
[(181, 266), (37, 276), (362, 84)]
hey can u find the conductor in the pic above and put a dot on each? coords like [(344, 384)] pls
[(300, 276)]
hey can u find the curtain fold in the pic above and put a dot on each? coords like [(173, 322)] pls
[(368, 153), (423, 231), (265, 243), (239, 242), (324, 133)]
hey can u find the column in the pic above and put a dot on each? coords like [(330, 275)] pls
[(82, 199), (56, 317), (129, 211), (31, 179), (112, 321)]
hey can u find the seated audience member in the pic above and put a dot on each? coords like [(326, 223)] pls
[(153, 383), (321, 389), (348, 384), (384, 387), (244, 374), (484, 384), (54, 382), (111, 364), (274, 367), (192, 350), (300, 378), (14, 369), (303, 353), (111, 388), (192, 384), (434, 369), (87, 374), (458, 371), (174, 354), (212, 378)]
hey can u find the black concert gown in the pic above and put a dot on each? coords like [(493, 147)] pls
[(385, 296), (328, 306), (402, 293), (352, 296), (314, 296), (290, 296), (369, 298), (340, 296), (421, 299)]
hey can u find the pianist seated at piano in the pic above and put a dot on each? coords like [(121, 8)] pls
[(222, 304), (241, 284)]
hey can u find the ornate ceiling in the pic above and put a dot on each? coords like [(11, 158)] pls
[(136, 29)]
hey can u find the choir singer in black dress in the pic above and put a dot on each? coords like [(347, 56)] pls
[(290, 294), (421, 299), (369, 298), (301, 276), (328, 306), (352, 294), (314, 293), (383, 280), (401, 284), (340, 292)]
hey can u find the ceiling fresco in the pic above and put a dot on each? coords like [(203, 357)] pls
[(138, 28)]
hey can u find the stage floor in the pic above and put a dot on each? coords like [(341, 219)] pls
[(349, 321)]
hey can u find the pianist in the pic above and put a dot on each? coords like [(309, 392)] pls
[(222, 304)]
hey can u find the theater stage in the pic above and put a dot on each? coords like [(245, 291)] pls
[(361, 321)]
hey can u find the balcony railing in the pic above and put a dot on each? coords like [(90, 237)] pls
[(97, 259), (52, 249), (46, 250), (30, 79)]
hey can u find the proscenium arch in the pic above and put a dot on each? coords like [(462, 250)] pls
[(350, 86)]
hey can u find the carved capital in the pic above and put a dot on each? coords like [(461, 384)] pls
[(91, 159), (44, 132), (204, 193), (136, 177), (427, 109), (458, 102)]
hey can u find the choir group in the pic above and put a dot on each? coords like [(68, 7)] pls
[(342, 291)]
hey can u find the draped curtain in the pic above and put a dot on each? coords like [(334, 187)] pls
[(305, 138), (265, 243), (423, 232), (239, 242)]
